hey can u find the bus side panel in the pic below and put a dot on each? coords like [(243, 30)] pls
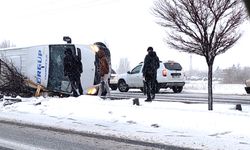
[(15, 56), (88, 59), (38, 64), (32, 62)]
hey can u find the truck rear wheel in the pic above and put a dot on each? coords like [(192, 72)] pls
[(247, 90), (177, 89), (122, 86)]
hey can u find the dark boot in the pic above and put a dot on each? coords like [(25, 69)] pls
[(148, 99), (80, 90), (75, 95), (153, 96)]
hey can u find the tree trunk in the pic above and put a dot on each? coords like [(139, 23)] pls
[(210, 86)]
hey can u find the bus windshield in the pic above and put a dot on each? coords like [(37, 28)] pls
[(57, 81)]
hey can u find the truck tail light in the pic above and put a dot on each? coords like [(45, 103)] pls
[(164, 72)]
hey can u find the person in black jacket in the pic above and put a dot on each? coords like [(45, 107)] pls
[(149, 71), (247, 3), (73, 70)]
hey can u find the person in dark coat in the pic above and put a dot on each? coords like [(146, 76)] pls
[(73, 70), (149, 71), (104, 72)]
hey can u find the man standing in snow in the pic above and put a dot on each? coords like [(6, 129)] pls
[(149, 71), (73, 70)]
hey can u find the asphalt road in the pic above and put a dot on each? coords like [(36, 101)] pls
[(186, 97), (27, 137)]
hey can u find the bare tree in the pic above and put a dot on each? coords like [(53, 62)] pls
[(124, 65), (6, 43), (235, 74), (12, 82), (204, 27)]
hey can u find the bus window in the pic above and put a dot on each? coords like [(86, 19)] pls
[(57, 81), (0, 66)]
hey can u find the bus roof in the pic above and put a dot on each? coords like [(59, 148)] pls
[(10, 48)]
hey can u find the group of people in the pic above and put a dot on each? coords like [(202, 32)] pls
[(73, 70)]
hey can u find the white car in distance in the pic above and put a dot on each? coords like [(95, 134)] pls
[(247, 88), (113, 80), (169, 75)]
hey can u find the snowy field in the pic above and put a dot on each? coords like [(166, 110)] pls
[(179, 124), (201, 87)]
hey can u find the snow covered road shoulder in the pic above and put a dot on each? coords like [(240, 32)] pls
[(187, 125)]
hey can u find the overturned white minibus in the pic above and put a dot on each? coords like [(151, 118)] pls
[(43, 65)]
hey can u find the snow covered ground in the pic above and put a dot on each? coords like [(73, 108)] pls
[(185, 125), (201, 87)]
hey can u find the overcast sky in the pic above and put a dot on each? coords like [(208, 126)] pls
[(127, 26)]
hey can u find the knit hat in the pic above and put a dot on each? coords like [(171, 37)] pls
[(150, 48)]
